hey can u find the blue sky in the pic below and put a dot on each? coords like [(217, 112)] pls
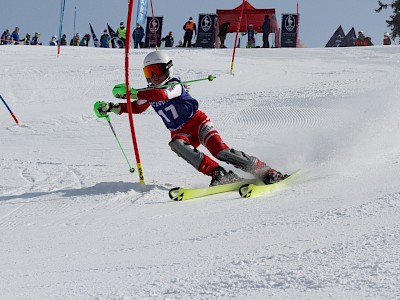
[(318, 18)]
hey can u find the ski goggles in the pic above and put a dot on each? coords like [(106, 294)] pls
[(155, 70)]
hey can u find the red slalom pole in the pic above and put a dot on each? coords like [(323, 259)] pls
[(12, 114), (128, 96), (237, 33)]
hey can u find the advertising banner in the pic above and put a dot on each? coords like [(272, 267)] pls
[(153, 32), (289, 30), (206, 30)]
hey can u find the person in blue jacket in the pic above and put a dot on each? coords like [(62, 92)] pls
[(251, 39), (138, 35), (15, 36), (53, 41), (85, 40), (105, 40)]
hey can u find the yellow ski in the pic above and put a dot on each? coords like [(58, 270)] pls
[(182, 194), (251, 190)]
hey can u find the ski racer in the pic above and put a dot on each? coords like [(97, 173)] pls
[(189, 126)]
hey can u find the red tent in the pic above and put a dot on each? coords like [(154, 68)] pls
[(251, 15)]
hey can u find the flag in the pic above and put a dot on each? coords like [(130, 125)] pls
[(349, 39), (95, 40), (115, 41), (336, 38), (142, 12)]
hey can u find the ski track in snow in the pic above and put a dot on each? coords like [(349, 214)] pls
[(74, 223)]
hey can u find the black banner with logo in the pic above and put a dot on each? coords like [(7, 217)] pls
[(153, 32), (336, 38), (205, 31), (350, 39), (289, 30)]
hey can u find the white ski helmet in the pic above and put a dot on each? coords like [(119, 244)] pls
[(161, 58)]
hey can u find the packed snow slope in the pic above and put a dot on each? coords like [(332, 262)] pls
[(74, 223)]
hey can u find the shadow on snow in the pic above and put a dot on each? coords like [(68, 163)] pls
[(102, 188)]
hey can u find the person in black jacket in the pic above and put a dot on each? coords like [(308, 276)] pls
[(266, 28), (64, 40), (169, 40), (138, 35), (223, 29)]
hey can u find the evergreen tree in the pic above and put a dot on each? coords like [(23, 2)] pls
[(394, 21)]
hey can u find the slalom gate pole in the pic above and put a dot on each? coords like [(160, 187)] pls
[(128, 97), (61, 25), (237, 33), (131, 169), (209, 78), (74, 20), (12, 114)]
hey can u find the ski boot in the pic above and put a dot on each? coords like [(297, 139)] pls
[(221, 176), (273, 176)]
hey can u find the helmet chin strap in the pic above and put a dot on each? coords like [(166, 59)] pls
[(150, 84)]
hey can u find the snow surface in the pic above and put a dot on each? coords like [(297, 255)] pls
[(74, 223)]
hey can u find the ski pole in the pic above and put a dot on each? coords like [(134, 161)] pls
[(119, 90), (12, 114), (131, 169), (209, 78), (96, 107)]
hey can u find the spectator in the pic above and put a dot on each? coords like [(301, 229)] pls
[(266, 28), (27, 39), (361, 41), (386, 39), (35, 39), (5, 38), (137, 36), (64, 40), (223, 30), (75, 40), (85, 40), (190, 28), (251, 40), (15, 36), (53, 41), (169, 40), (105, 40), (121, 32)]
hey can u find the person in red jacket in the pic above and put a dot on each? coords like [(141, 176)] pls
[(386, 39), (190, 28), (189, 126), (361, 40)]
